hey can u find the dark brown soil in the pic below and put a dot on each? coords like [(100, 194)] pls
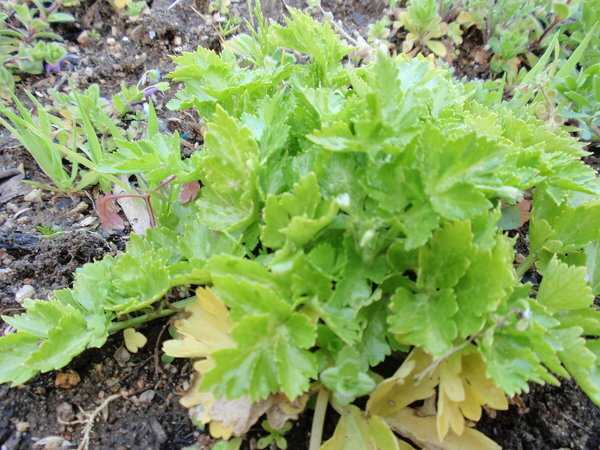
[(111, 50), (473, 59)]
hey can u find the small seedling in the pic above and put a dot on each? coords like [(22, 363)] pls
[(26, 40), (275, 436), (50, 232)]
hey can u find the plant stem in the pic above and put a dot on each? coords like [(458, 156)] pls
[(316, 431), (526, 264), (135, 321), (556, 21)]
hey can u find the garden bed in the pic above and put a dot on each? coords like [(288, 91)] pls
[(108, 50)]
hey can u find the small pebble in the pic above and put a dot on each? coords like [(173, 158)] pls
[(24, 292), (122, 356), (22, 427), (65, 412), (34, 196), (110, 41), (146, 397), (81, 206), (84, 39), (87, 221), (21, 212), (67, 380)]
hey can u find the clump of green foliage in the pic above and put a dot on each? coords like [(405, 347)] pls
[(71, 140), (425, 27), (346, 214), (26, 40)]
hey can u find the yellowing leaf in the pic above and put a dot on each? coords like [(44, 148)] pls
[(205, 329), (134, 340), (437, 47), (423, 432), (120, 4), (355, 430), (463, 388), (404, 388), (474, 371), (450, 394)]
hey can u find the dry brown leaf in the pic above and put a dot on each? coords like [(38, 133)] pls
[(283, 409), (109, 213), (524, 207), (135, 209), (188, 192)]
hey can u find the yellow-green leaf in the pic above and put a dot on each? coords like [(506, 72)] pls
[(134, 340)]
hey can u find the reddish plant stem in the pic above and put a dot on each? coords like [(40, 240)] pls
[(556, 21), (145, 197)]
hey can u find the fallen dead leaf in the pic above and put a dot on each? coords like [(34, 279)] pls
[(188, 192), (134, 340), (109, 214), (524, 207)]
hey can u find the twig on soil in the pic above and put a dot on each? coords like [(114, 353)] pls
[(172, 5), (577, 424), (157, 368), (90, 417), (340, 29), (89, 422)]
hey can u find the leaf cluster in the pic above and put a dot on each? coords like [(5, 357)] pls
[(345, 214), (71, 140), (26, 39)]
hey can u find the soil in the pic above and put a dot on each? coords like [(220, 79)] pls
[(143, 411)]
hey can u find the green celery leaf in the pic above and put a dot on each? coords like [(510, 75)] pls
[(573, 224), (374, 346), (564, 287), (65, 340), (424, 320), (511, 362), (271, 356), (198, 241), (582, 360), (228, 201), (248, 287), (446, 257), (297, 218), (592, 252), (315, 39), (139, 282), (486, 283), (461, 201), (40, 317), (347, 380), (15, 349)]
